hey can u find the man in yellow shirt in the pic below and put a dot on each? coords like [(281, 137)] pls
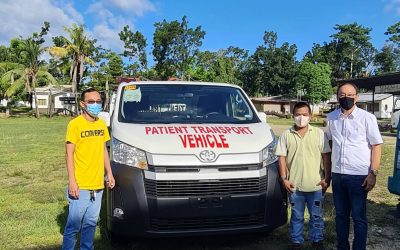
[(301, 150), (87, 157)]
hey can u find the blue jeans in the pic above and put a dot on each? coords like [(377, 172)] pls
[(350, 197), (298, 201), (82, 215)]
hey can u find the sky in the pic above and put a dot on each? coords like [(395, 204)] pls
[(226, 22)]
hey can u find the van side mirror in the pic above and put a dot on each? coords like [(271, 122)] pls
[(105, 116), (262, 116)]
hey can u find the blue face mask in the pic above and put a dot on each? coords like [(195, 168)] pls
[(94, 109)]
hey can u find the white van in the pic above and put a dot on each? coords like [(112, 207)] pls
[(191, 158)]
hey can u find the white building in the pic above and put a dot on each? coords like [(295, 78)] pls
[(61, 99), (383, 103), (279, 104), (3, 102)]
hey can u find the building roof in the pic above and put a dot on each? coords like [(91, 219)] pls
[(277, 98), (365, 97), (387, 82), (54, 89)]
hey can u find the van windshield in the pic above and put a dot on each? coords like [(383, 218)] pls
[(177, 103)]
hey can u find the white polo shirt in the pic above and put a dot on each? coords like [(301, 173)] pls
[(352, 137)]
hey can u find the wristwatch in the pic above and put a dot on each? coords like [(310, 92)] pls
[(283, 178), (374, 172)]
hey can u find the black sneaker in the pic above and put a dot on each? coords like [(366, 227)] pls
[(295, 246), (319, 245)]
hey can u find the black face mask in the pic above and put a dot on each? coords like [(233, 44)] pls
[(346, 102)]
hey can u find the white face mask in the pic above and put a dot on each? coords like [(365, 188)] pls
[(301, 120)]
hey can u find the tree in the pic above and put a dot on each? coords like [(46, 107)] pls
[(4, 54), (174, 46), (59, 67), (325, 53), (202, 66), (115, 65), (15, 50), (30, 67), (21, 63), (314, 81), (354, 49), (99, 72), (224, 65), (239, 58), (385, 60), (394, 32), (32, 51), (135, 48), (271, 70), (79, 49), (12, 81)]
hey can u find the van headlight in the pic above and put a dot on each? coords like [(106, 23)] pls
[(268, 153), (128, 155)]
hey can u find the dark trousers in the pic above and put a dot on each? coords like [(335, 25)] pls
[(350, 197)]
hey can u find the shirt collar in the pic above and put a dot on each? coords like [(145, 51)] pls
[(352, 115), (293, 129)]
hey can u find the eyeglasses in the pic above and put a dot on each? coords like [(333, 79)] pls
[(348, 95), (93, 101)]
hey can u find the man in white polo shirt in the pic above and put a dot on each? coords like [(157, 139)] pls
[(356, 154)]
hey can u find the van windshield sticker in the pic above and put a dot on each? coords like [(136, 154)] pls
[(132, 95), (130, 87)]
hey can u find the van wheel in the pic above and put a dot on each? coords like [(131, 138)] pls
[(116, 238)]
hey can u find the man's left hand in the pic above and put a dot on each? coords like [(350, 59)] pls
[(369, 182), (111, 181), (324, 184)]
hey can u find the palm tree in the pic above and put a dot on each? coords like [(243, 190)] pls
[(15, 78), (32, 52), (78, 48), (11, 81), (20, 76)]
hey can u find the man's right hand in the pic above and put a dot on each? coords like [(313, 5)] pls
[(73, 189), (288, 186)]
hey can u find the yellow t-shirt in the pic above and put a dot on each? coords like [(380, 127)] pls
[(303, 157), (89, 138)]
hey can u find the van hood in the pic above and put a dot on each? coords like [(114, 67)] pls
[(186, 139)]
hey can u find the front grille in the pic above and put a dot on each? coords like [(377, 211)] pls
[(161, 224), (241, 167), (201, 188)]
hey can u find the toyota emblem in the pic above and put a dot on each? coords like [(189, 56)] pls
[(207, 156)]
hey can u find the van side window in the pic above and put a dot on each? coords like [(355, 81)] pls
[(240, 108)]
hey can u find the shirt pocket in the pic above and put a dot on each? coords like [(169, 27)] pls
[(357, 134)]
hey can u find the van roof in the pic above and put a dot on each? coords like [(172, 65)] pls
[(180, 83)]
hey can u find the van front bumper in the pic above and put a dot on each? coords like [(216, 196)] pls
[(137, 206)]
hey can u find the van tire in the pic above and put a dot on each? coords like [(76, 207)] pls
[(116, 238)]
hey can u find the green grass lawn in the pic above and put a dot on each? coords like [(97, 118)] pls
[(33, 207), (32, 191)]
